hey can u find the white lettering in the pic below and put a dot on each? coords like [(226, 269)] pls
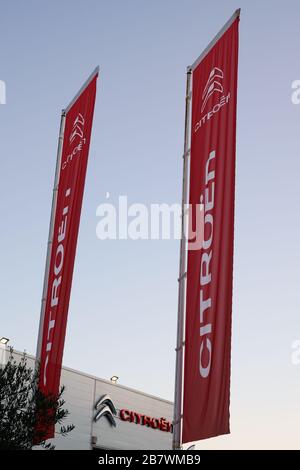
[(223, 100), (204, 371), (205, 270), (58, 265)]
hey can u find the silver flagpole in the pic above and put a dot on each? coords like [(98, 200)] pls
[(51, 230), (178, 401), (180, 345)]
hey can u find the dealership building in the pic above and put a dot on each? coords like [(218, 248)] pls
[(107, 415)]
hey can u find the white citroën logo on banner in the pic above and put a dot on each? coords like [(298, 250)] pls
[(77, 133), (105, 407), (213, 85)]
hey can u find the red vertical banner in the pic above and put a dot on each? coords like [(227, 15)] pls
[(68, 193), (209, 269)]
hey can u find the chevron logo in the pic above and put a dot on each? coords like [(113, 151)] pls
[(105, 407), (77, 130), (213, 85)]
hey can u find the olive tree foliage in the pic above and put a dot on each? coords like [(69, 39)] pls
[(26, 414)]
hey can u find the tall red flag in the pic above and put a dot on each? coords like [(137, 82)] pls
[(74, 142), (209, 269)]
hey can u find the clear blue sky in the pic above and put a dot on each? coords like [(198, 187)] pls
[(122, 317)]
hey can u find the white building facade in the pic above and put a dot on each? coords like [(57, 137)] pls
[(108, 415)]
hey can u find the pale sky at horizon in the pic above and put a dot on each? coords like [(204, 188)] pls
[(123, 309)]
